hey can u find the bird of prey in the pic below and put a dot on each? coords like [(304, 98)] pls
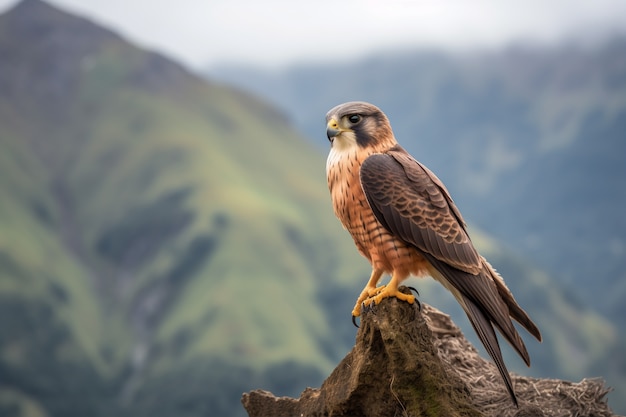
[(403, 220)]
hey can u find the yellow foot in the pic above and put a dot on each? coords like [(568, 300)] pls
[(366, 295), (390, 292), (376, 295)]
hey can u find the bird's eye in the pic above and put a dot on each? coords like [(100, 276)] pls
[(354, 118)]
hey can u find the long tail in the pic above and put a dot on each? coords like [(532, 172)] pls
[(488, 302), (515, 310)]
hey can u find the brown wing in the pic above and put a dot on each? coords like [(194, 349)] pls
[(413, 204)]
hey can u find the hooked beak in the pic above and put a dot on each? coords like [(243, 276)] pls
[(332, 129)]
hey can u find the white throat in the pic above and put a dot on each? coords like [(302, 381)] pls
[(343, 146)]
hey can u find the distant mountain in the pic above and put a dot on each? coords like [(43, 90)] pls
[(167, 243)]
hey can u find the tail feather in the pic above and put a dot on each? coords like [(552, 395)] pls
[(488, 303), (487, 336), (516, 312)]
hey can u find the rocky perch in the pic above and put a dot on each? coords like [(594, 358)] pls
[(413, 363)]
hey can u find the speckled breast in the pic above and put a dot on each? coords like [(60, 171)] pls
[(373, 241)]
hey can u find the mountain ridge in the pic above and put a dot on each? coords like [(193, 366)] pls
[(116, 206)]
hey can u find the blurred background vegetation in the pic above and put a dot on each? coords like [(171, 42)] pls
[(167, 240)]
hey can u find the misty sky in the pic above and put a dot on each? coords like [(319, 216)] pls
[(202, 33)]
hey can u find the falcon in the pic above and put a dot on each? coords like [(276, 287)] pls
[(403, 220)]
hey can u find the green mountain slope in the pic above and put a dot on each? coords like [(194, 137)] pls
[(150, 219), (167, 243)]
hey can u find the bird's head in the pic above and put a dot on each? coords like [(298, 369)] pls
[(358, 124)]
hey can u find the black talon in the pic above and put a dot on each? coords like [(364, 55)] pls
[(354, 322), (417, 293), (366, 307)]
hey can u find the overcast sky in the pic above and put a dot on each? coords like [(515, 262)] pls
[(202, 33)]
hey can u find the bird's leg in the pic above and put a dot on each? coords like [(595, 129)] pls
[(391, 290), (369, 291)]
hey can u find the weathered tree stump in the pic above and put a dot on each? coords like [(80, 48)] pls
[(408, 362)]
